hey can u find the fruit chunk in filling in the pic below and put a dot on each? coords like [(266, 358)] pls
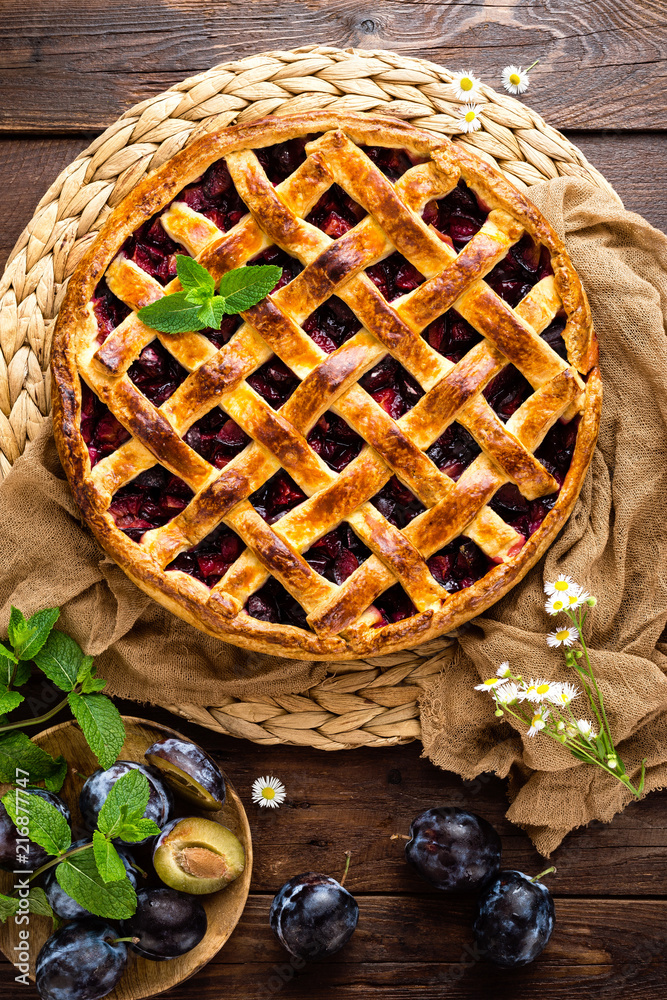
[(211, 558), (150, 500), (108, 309), (100, 430), (216, 438), (456, 217), (156, 373)]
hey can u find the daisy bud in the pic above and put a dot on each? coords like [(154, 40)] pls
[(591, 601), (498, 712)]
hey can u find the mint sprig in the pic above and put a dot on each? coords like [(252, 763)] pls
[(62, 660), (198, 307), (93, 874)]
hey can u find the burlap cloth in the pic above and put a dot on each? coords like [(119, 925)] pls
[(614, 544)]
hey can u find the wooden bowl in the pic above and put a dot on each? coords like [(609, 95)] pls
[(142, 978)]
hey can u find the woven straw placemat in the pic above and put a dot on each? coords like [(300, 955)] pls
[(365, 702)]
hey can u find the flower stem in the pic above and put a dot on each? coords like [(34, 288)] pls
[(348, 855), (528, 69)]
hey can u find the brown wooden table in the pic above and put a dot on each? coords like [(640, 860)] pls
[(68, 69)]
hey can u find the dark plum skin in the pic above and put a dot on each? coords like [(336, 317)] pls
[(514, 919), (96, 789), (81, 961), (313, 916), (62, 904), (454, 850), (168, 923), (36, 856), (177, 760)]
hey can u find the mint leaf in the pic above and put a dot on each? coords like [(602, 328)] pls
[(107, 859), (38, 903), (126, 802), (212, 311), (60, 659), (14, 672), (171, 314), (54, 782), (198, 297), (9, 700), (139, 830), (246, 286), (18, 751), (7, 654), (9, 905), (16, 622), (28, 637), (45, 824), (101, 724), (79, 877), (194, 276), (86, 677)]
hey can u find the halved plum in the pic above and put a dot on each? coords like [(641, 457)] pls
[(190, 772), (198, 855)]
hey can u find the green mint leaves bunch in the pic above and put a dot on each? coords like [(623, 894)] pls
[(93, 874), (64, 663), (198, 307)]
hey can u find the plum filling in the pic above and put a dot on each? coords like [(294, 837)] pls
[(100, 430), (456, 217), (334, 441), (393, 606), (216, 438), (211, 558), (397, 503), (272, 603), (335, 213), (149, 501), (228, 328), (153, 250), (215, 196), (109, 310), (157, 373), (526, 263), (331, 324), (459, 564), (283, 159), (392, 387), (392, 162), (274, 382), (337, 555), (451, 335), (277, 496), (394, 276), (454, 450)]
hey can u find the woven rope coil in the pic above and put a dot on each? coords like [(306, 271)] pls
[(366, 702)]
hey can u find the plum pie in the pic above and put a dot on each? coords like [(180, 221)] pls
[(377, 450)]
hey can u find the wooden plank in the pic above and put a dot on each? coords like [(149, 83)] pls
[(29, 165), (64, 70), (356, 799), (404, 947)]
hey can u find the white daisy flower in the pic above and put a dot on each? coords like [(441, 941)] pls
[(576, 597), (563, 637), (516, 80), (538, 720), (503, 670), (536, 690), (563, 694), (585, 729), (507, 694), (489, 684), (556, 604), (466, 86), (469, 120), (268, 792), (563, 586)]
